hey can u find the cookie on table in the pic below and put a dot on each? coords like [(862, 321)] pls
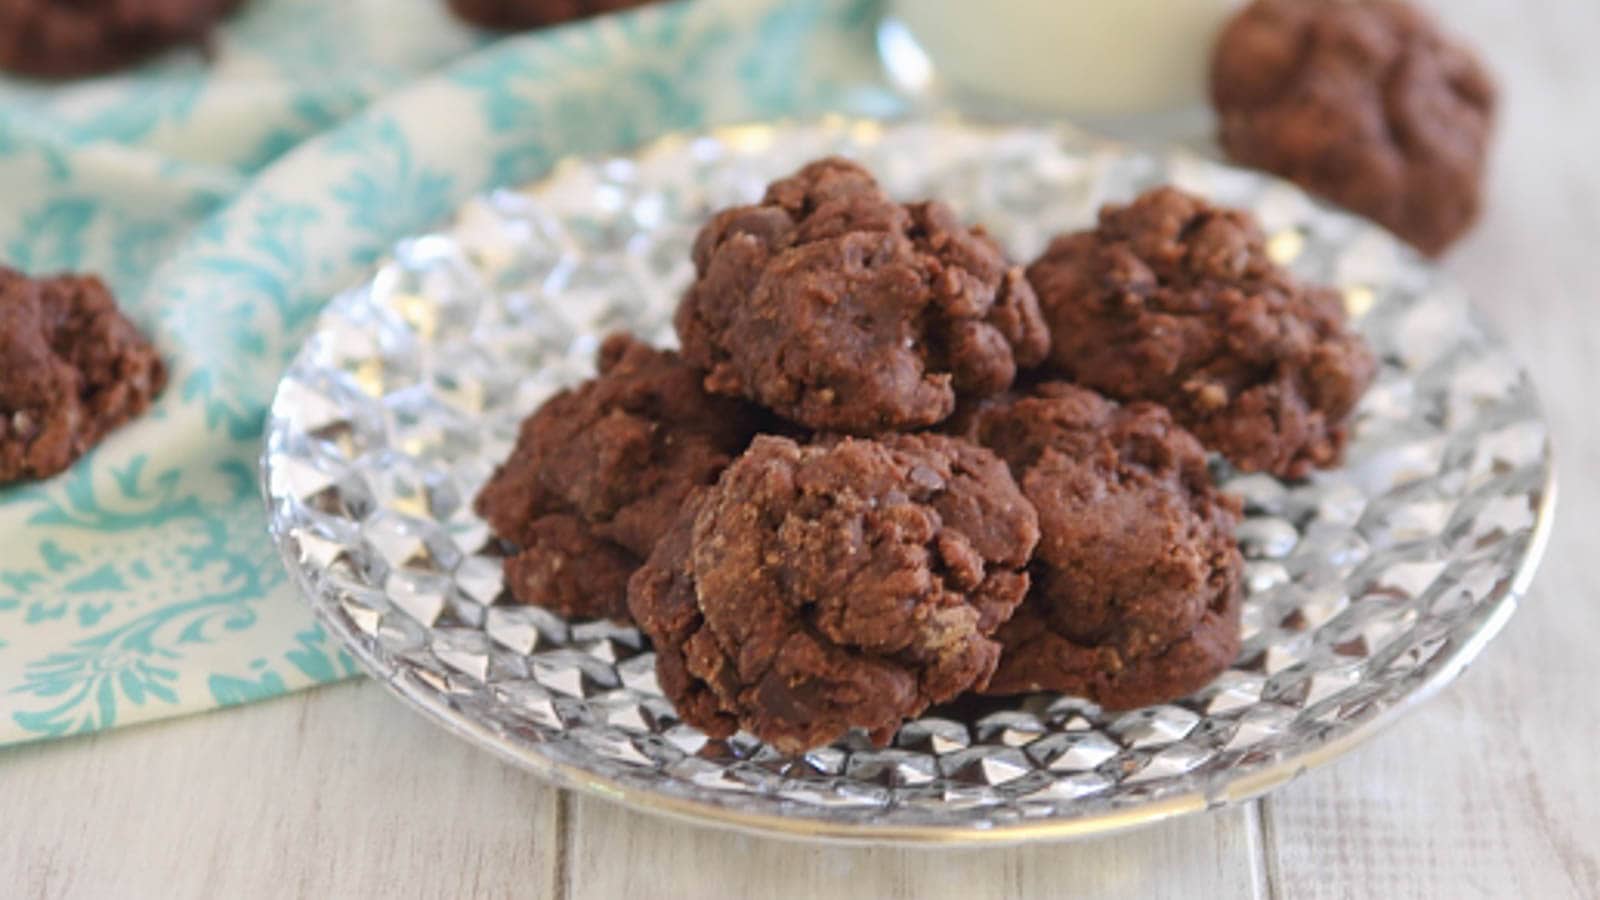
[(72, 38), (842, 310), (846, 584), (1366, 104), (72, 369), (520, 15), (1136, 578), (1175, 301), (600, 471)]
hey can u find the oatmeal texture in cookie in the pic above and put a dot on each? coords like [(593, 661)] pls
[(71, 38), (1173, 300), (600, 471), (71, 370), (1366, 104), (845, 584), (520, 15), (842, 310), (1136, 579)]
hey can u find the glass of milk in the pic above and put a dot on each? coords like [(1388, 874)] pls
[(1106, 62)]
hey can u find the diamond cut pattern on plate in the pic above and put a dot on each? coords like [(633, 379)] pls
[(1362, 581)]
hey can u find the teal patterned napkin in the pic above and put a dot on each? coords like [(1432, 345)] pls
[(141, 584)]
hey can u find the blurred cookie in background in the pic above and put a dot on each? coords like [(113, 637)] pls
[(75, 38), (72, 369), (520, 15), (1366, 104)]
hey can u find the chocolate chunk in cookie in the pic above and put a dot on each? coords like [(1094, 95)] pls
[(599, 472), (842, 310), (71, 38), (1366, 104), (841, 585), (71, 370), (522, 15), (1136, 576), (1175, 301)]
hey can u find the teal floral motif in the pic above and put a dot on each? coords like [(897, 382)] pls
[(21, 140), (620, 82), (128, 113), (312, 656), (331, 53), (306, 115), (232, 690), (75, 233), (232, 318), (140, 243), (390, 191), (134, 662), (302, 38), (793, 38), (51, 238), (83, 687), (141, 583), (138, 505), (317, 658), (89, 683), (634, 76), (219, 562), (139, 501)]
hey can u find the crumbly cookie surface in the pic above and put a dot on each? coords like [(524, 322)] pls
[(842, 310), (599, 473), (72, 369), (845, 584), (1173, 300), (1136, 579)]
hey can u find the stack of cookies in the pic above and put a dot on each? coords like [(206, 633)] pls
[(889, 467)]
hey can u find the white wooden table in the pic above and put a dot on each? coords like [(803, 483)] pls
[(1491, 790)]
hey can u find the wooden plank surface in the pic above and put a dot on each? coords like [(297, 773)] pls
[(335, 793), (1491, 790), (1217, 856)]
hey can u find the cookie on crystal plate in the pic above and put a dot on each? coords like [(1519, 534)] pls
[(1136, 579), (845, 584), (842, 310), (599, 473), (1173, 300)]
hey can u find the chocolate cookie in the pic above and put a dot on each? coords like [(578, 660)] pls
[(70, 38), (71, 370), (825, 587), (521, 15), (1366, 104), (1037, 657), (1136, 576), (1175, 301), (842, 310), (599, 472)]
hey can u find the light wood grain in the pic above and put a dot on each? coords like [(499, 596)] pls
[(1216, 855), (335, 793)]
